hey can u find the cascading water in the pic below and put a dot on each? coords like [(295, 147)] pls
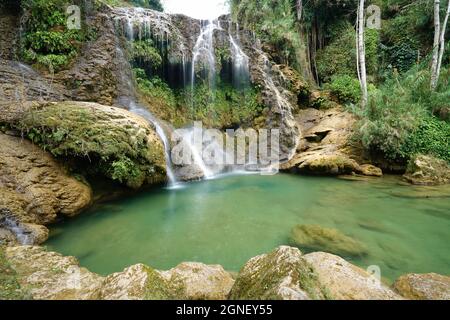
[(204, 52), (143, 112)]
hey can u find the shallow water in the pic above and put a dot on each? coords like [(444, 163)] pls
[(229, 220)]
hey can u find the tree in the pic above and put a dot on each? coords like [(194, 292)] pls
[(299, 6), (361, 53), (438, 43)]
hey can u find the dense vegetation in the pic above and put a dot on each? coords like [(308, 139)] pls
[(404, 116), (48, 43)]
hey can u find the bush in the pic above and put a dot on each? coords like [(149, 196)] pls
[(145, 52), (345, 88)]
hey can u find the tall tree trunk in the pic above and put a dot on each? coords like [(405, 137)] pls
[(442, 43), (437, 35), (299, 9), (361, 54)]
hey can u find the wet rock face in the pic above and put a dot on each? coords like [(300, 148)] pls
[(34, 191), (314, 237), (429, 286), (345, 281), (427, 170), (280, 275)]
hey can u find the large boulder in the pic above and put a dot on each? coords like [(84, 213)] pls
[(51, 276), (326, 147), (345, 281), (429, 286), (34, 191), (315, 237), (280, 275), (197, 281), (427, 170), (105, 140)]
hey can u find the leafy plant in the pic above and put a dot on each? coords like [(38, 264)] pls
[(345, 88)]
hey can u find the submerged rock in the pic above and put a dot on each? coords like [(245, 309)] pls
[(429, 286), (315, 237), (280, 275), (34, 191), (427, 170), (345, 281)]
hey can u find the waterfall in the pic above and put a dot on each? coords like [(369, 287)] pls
[(204, 52), (241, 74), (143, 112)]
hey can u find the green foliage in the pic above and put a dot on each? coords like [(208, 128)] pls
[(154, 87), (339, 57), (145, 52), (47, 42), (398, 122), (125, 170), (345, 88), (431, 137)]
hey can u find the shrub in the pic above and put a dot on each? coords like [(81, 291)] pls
[(145, 52), (345, 88)]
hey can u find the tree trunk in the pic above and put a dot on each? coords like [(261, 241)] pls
[(361, 54), (437, 34), (299, 9), (442, 43)]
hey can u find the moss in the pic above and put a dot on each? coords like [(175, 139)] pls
[(110, 148), (272, 269), (10, 288), (157, 288)]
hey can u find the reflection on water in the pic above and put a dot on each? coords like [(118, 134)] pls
[(230, 220)]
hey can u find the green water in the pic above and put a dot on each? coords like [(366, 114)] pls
[(229, 220)]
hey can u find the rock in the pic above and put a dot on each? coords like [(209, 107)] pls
[(137, 282), (325, 147), (314, 237), (427, 170), (371, 170), (108, 140), (35, 190), (197, 281), (50, 276), (345, 281), (188, 281), (280, 275), (429, 286)]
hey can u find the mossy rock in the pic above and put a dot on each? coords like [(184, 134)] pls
[(317, 238), (427, 170), (10, 288), (104, 140), (280, 275)]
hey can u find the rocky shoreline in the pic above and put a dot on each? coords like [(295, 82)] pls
[(283, 274)]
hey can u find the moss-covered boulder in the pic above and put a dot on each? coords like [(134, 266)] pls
[(427, 170), (280, 275), (315, 237), (429, 286), (95, 139), (345, 281)]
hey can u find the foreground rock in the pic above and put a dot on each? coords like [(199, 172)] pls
[(430, 286), (46, 275), (50, 276), (427, 170), (109, 141), (280, 275), (188, 281), (346, 281), (326, 148), (34, 191), (314, 237)]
